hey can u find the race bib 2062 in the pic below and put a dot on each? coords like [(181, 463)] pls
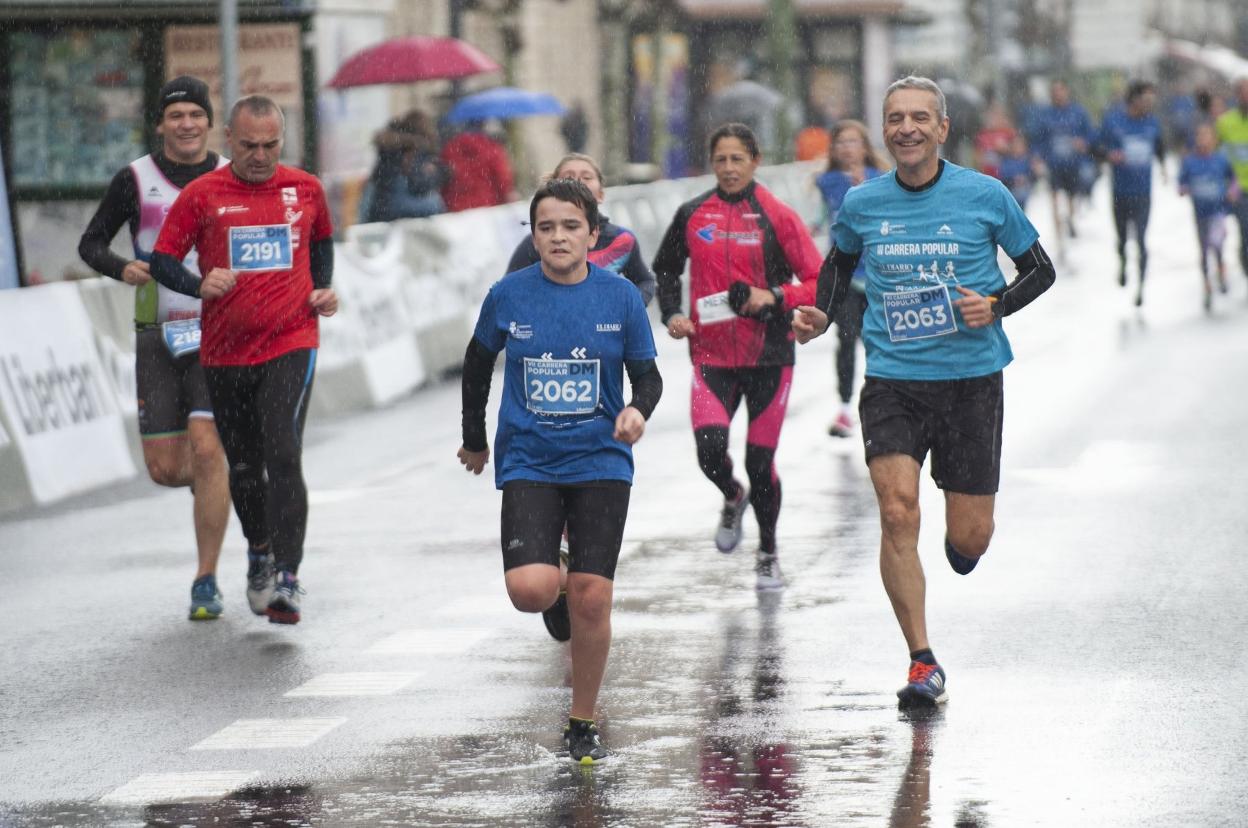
[(561, 387)]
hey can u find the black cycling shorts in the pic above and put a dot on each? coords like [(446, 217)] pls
[(959, 421), (170, 389), (534, 515)]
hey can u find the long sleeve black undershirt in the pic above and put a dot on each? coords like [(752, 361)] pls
[(1036, 274), (643, 375), (120, 206), (173, 274)]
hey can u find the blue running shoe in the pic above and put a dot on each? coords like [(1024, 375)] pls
[(206, 599), (925, 686), (960, 563), (283, 608)]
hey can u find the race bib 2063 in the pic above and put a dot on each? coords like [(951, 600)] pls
[(919, 313)]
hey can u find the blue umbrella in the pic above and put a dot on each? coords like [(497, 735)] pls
[(503, 102)]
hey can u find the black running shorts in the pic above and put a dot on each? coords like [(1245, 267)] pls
[(534, 515), (958, 421), (170, 389)]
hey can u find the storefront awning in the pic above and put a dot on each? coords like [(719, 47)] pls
[(898, 10)]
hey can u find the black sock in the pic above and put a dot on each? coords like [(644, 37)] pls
[(923, 656)]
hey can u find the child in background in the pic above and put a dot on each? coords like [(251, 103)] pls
[(851, 160), (1207, 177), (1016, 170)]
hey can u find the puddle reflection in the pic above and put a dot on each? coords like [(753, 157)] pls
[(747, 773)]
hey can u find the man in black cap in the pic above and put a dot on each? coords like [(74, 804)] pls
[(179, 435)]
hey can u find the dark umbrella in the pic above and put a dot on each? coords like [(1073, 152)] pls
[(408, 59), (503, 102)]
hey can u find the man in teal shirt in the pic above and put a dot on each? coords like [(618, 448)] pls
[(929, 233)]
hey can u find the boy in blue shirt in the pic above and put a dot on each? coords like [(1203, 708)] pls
[(1130, 138), (1206, 176), (563, 450)]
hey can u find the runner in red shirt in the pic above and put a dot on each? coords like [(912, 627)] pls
[(262, 231), (744, 248)]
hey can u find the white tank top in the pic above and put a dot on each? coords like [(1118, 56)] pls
[(153, 302)]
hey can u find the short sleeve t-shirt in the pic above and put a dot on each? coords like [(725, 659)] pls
[(1137, 139), (918, 248), (563, 381), (1208, 179), (263, 231)]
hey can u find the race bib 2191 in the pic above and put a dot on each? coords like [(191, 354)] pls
[(263, 247)]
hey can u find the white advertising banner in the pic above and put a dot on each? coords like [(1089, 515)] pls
[(55, 397)]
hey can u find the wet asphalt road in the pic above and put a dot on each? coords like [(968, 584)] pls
[(1095, 658)]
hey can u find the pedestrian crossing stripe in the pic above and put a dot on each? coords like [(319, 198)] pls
[(429, 642), (178, 787), (262, 734), (354, 684)]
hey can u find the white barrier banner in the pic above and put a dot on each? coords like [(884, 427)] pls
[(55, 396)]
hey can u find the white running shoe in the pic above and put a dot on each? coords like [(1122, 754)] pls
[(728, 535), (260, 581), (767, 568)]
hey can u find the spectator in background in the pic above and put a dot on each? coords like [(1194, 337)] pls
[(408, 175), (574, 127), (993, 141), (480, 173), (812, 143)]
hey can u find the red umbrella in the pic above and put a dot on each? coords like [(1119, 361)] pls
[(407, 59)]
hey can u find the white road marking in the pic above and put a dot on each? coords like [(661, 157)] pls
[(431, 641), (178, 787), (254, 734), (355, 684)]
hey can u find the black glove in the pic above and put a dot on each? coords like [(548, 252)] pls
[(739, 295)]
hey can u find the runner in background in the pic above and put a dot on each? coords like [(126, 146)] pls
[(1130, 139), (179, 436), (570, 330), (1207, 177), (1232, 130), (851, 160), (616, 250), (1064, 137), (745, 249)]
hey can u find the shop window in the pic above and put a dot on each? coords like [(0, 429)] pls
[(76, 108)]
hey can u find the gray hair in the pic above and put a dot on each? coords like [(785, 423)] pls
[(921, 83), (257, 105)]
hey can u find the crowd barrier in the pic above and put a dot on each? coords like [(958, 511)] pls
[(409, 293)]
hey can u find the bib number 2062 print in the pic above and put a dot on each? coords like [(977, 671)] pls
[(561, 387)]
